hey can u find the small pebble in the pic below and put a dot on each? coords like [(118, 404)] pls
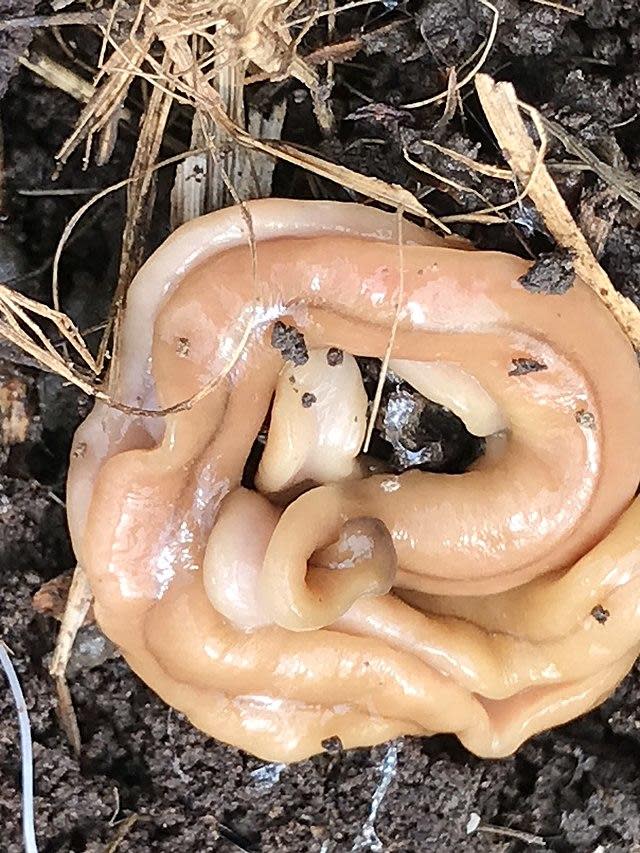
[(522, 366), (290, 342), (183, 347), (585, 419), (600, 614), (335, 357), (332, 745), (551, 273)]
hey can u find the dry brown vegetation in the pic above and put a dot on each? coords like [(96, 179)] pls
[(200, 55)]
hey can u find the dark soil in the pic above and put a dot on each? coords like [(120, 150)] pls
[(413, 432), (552, 272), (577, 787)]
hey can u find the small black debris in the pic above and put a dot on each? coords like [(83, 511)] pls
[(585, 419), (600, 614), (290, 342), (79, 450), (183, 347), (332, 745), (292, 379), (335, 357), (552, 273), (522, 366), (308, 399)]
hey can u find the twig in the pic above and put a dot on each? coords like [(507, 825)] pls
[(140, 201), (62, 19), (124, 828), (59, 76), (559, 6), (501, 108), (468, 77), (68, 191), (26, 752), (615, 177), (507, 832), (78, 604), (486, 169)]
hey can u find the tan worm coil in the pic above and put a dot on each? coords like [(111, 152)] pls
[(329, 601)]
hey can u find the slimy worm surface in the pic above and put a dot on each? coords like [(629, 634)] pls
[(331, 596)]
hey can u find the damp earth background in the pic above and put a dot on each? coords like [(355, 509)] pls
[(578, 787)]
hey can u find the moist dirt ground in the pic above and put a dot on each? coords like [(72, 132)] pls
[(576, 788)]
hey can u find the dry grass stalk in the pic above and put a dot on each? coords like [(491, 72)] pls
[(230, 158), (108, 99), (486, 169), (15, 310), (393, 195), (384, 367), (469, 76), (492, 213), (624, 183), (191, 186), (262, 127), (80, 597), (124, 828), (58, 75), (501, 108), (140, 202), (559, 6), (61, 19)]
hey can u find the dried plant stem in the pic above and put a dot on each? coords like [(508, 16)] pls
[(140, 201), (124, 828), (559, 6), (384, 368), (230, 85), (206, 98), (507, 832), (78, 604), (622, 182), (105, 102), (62, 19), (58, 75), (473, 165), (501, 108), (468, 77)]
